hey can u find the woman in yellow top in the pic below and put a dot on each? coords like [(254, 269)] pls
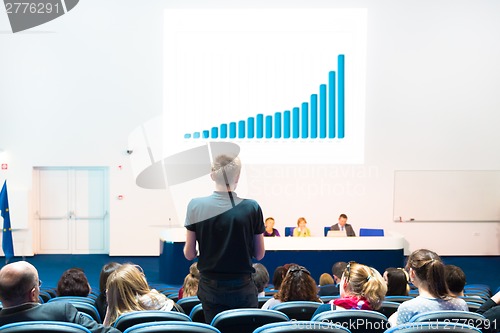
[(301, 230)]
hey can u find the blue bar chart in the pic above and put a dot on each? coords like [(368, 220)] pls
[(322, 116)]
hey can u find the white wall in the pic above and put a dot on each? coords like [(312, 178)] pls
[(72, 90)]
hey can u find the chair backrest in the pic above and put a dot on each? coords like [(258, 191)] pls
[(475, 299), (88, 309), (72, 299), (399, 299), (197, 315), (289, 231), (388, 308), (464, 317), (172, 327), (246, 320), (43, 326), (365, 232), (188, 303), (433, 327), (326, 229), (130, 319), (298, 310), (473, 306), (45, 296), (362, 321), (301, 326), (263, 299)]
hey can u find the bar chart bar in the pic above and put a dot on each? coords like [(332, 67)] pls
[(305, 120), (232, 130), (314, 116), (187, 136), (223, 131), (269, 127), (215, 133), (206, 134), (286, 124), (260, 126), (241, 129), (196, 135), (341, 95), (277, 125), (251, 127), (295, 123), (322, 111), (331, 105)]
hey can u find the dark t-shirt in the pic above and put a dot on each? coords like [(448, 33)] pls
[(225, 233)]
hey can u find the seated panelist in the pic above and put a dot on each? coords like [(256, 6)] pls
[(343, 225), (301, 230)]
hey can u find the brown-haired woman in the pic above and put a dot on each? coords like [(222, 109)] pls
[(427, 273), (298, 285)]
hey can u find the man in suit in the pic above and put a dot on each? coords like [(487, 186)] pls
[(19, 291), (342, 225)]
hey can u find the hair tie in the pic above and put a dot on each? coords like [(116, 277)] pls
[(368, 278)]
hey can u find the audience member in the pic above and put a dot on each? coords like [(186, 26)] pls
[(361, 288), (490, 310), (19, 291), (327, 286), (343, 225), (270, 231), (73, 282), (337, 270), (298, 285), (128, 290), (261, 278), (100, 303), (397, 282), (427, 274), (301, 230), (191, 281), (229, 232), (455, 280), (278, 276)]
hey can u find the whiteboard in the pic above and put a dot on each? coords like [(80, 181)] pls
[(442, 196)]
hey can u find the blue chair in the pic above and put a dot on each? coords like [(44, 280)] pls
[(301, 326), (388, 308), (433, 327), (43, 326), (357, 321), (130, 319), (399, 299), (188, 303), (72, 299), (289, 231), (172, 327), (246, 320), (197, 315), (365, 232), (452, 317), (298, 310)]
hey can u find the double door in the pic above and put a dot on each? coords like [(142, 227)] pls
[(71, 210)]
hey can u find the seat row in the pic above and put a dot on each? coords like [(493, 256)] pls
[(271, 321)]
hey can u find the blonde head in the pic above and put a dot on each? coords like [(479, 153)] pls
[(363, 281), (325, 279), (124, 287)]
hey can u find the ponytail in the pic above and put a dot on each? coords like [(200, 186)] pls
[(435, 279), (374, 289)]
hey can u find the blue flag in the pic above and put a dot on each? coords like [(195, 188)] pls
[(7, 243)]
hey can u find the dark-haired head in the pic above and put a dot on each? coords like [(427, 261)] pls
[(298, 285), (427, 272), (73, 282), (455, 279), (397, 282)]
